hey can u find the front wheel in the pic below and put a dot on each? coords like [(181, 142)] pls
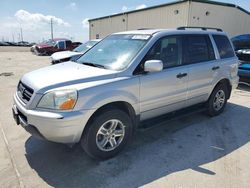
[(218, 100), (107, 134)]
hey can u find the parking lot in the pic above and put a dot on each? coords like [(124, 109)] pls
[(191, 151)]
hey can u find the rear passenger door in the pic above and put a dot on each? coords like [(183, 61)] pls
[(202, 67)]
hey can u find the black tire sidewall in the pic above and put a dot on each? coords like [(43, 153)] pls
[(211, 110), (88, 141)]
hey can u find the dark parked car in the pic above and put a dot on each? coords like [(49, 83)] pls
[(4, 44), (244, 71), (242, 49), (51, 46), (242, 46)]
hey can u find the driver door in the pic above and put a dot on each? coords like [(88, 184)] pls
[(164, 91)]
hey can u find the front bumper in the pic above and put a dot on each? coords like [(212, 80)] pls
[(61, 127), (235, 82)]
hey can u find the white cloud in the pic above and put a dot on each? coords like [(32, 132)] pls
[(124, 8), (25, 17), (35, 27), (72, 6), (85, 23), (142, 6)]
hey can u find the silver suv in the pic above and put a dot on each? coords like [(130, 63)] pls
[(128, 77)]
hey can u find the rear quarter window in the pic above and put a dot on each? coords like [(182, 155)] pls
[(224, 47)]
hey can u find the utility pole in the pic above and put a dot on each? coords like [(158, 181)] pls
[(13, 38), (51, 28), (21, 33)]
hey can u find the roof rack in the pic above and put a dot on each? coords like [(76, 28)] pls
[(202, 28), (145, 29)]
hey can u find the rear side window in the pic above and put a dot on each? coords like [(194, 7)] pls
[(68, 43), (198, 48), (224, 47)]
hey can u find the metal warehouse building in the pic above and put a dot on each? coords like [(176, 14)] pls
[(231, 18)]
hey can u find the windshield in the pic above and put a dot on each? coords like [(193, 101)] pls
[(51, 42), (115, 52), (84, 47)]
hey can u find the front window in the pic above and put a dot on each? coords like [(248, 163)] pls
[(115, 52), (61, 45), (168, 50)]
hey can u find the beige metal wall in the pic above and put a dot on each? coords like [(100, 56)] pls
[(230, 19), (106, 26), (162, 17)]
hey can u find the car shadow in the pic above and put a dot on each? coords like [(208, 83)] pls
[(171, 146), (244, 86)]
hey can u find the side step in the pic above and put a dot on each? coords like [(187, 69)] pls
[(163, 119)]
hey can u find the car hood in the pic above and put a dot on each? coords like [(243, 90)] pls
[(64, 54), (44, 45), (64, 74)]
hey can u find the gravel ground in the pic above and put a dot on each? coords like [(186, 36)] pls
[(190, 151), (14, 49)]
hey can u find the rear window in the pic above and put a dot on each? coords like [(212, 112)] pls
[(224, 47)]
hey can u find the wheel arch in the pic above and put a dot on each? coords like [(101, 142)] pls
[(224, 81), (121, 105)]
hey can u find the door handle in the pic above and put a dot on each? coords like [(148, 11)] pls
[(181, 75), (215, 68)]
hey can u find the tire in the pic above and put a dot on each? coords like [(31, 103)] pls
[(217, 100), (96, 134)]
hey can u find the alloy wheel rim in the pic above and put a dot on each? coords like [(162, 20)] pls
[(219, 100), (110, 135)]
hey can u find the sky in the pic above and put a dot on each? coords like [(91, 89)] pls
[(70, 17)]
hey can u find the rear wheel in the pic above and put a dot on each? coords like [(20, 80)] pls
[(218, 99), (107, 134)]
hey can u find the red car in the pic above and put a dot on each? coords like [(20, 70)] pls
[(51, 46)]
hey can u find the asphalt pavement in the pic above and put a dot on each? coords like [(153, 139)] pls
[(191, 151)]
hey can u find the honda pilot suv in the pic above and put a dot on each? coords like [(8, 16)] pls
[(126, 78)]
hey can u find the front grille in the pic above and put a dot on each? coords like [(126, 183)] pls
[(24, 92)]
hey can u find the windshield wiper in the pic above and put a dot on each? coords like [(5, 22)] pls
[(94, 65)]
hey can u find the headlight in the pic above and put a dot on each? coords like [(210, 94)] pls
[(59, 100)]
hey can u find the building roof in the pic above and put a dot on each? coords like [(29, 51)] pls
[(173, 3)]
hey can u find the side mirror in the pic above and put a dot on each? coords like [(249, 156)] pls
[(153, 66)]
